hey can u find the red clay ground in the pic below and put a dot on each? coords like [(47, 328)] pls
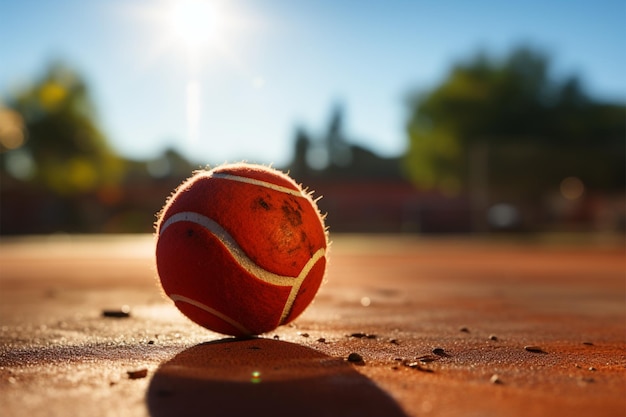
[(441, 325)]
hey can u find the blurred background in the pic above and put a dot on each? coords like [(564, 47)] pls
[(406, 116)]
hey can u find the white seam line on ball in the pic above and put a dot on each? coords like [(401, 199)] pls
[(195, 303), (246, 263), (298, 282), (265, 184)]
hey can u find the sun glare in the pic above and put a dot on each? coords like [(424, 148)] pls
[(194, 110), (195, 22), (200, 34), (203, 31)]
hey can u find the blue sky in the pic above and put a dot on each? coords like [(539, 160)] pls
[(274, 65)]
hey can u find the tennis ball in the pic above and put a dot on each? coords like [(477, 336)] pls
[(241, 249)]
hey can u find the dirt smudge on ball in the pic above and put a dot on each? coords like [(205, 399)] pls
[(261, 203), (292, 215)]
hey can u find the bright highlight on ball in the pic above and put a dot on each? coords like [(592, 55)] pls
[(241, 249)]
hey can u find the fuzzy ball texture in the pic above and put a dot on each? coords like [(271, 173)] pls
[(241, 249)]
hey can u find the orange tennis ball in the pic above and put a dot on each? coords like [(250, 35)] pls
[(241, 249)]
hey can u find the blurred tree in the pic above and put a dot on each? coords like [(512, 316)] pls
[(333, 155), (65, 151), (57, 171), (299, 166), (59, 174), (508, 125)]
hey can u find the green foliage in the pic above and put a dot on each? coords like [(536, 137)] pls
[(70, 153), (536, 130)]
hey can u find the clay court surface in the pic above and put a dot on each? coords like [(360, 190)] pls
[(445, 327)]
